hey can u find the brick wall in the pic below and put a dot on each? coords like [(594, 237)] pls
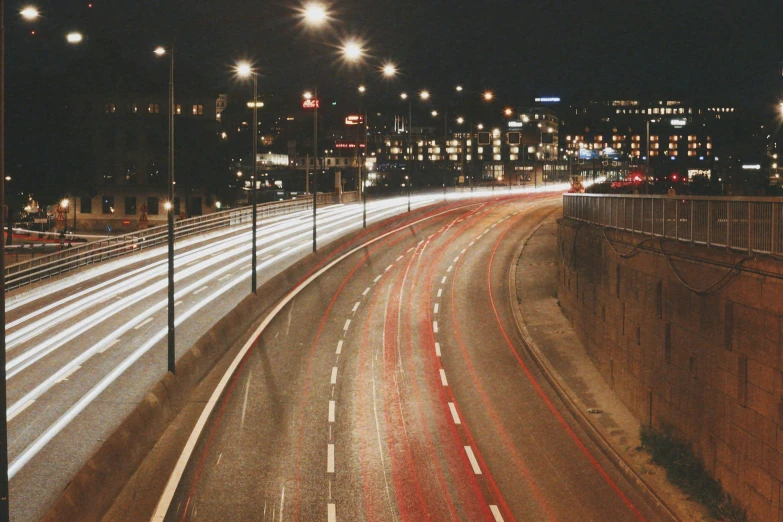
[(708, 366)]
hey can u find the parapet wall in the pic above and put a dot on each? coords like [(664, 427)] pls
[(707, 365)]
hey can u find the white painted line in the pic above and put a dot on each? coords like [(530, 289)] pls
[(347, 324), (454, 414), (339, 347), (399, 258), (331, 411), (355, 307), (450, 268), (443, 281), (330, 459), (224, 277), (109, 345), (366, 291), (65, 377), (457, 258), (20, 410), (268, 256), (333, 380), (496, 513), (435, 326), (388, 268), (178, 303), (436, 308), (463, 250), (472, 243), (377, 279), (411, 248), (244, 404), (331, 513), (141, 324), (473, 461), (440, 292), (200, 290), (437, 349), (443, 377)]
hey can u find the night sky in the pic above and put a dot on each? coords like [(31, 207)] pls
[(716, 51)]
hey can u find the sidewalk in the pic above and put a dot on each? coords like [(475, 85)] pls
[(562, 358)]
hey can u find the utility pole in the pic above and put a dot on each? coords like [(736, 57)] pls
[(254, 280), (315, 169), (170, 217), (4, 505)]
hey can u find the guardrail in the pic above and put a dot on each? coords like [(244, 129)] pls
[(743, 224), (27, 272)]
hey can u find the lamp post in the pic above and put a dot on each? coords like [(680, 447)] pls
[(169, 206), (404, 96), (245, 70)]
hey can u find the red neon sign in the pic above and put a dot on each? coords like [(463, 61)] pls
[(311, 104)]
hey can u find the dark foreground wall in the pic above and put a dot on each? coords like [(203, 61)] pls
[(709, 365)]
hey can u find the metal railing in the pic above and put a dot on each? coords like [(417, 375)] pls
[(28, 272), (743, 224)]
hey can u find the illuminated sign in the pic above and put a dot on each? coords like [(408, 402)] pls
[(515, 124), (751, 167), (354, 119), (347, 145), (679, 123), (550, 99), (312, 103)]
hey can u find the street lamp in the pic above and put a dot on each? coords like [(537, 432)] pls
[(74, 38), (352, 51), (314, 14), (389, 70), (29, 13), (424, 95), (245, 70), (488, 96)]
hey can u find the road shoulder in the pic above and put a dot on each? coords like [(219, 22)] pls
[(558, 352)]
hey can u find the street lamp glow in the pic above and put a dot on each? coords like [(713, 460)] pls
[(160, 51), (480, 126), (352, 51), (168, 206), (508, 112), (460, 120), (434, 113), (459, 88), (244, 69), (315, 14), (64, 203), (389, 70), (239, 174), (29, 13), (362, 89), (308, 95), (74, 38), (488, 96), (425, 95), (404, 96)]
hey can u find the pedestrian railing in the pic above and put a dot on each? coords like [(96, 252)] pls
[(750, 225), (76, 256)]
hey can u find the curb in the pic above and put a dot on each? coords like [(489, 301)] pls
[(572, 401)]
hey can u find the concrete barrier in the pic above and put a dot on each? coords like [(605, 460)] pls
[(95, 486)]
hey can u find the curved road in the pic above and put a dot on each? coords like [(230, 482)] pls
[(395, 387)]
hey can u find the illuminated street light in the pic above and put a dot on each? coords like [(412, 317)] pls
[(460, 120), (243, 70), (167, 206), (480, 126), (404, 96), (74, 38), (389, 70), (160, 51), (314, 14), (425, 95), (239, 174), (362, 89), (508, 112), (488, 96), (64, 203), (459, 88), (352, 51), (308, 95), (29, 13)]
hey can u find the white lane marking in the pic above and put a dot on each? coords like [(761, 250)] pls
[(244, 404), (437, 349), (347, 324), (108, 346), (388, 268), (144, 322), (366, 291), (355, 307), (339, 347), (331, 515), (331, 411), (472, 243), (454, 414), (435, 326), (440, 292), (450, 268), (224, 277), (463, 250), (218, 460), (65, 377), (473, 461), (200, 290), (178, 303), (443, 281), (330, 458), (282, 502), (270, 255), (411, 248), (457, 258), (399, 258), (443, 380), (496, 513), (437, 306), (377, 279), (333, 380), (20, 410)]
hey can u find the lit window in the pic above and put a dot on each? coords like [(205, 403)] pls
[(198, 110), (154, 108), (134, 108), (111, 108), (178, 109)]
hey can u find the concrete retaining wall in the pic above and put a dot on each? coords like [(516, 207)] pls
[(708, 366)]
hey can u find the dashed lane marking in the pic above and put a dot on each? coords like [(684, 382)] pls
[(437, 349), (496, 513), (108, 346), (331, 411), (20, 410), (388, 268), (435, 326), (347, 324), (450, 268), (443, 377), (377, 279), (333, 380), (224, 277), (331, 513), (65, 377), (339, 347), (366, 291), (463, 250), (399, 258), (355, 307), (473, 461), (200, 290), (141, 324), (440, 292), (457, 258), (178, 303), (454, 414), (443, 281), (437, 306), (330, 459)]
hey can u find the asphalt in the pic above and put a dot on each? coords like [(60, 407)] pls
[(84, 349), (397, 387)]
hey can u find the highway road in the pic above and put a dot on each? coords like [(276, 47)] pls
[(395, 387), (83, 350)]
